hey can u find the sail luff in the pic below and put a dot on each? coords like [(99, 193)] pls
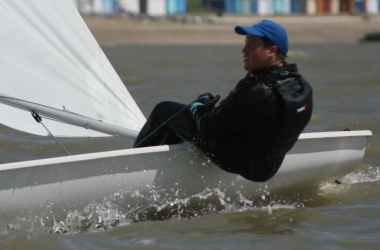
[(50, 57)]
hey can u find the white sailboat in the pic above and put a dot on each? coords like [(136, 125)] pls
[(51, 64)]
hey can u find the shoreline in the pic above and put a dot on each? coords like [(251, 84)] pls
[(204, 30)]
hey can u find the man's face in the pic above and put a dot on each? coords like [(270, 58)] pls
[(256, 57)]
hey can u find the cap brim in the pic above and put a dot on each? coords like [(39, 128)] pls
[(244, 30)]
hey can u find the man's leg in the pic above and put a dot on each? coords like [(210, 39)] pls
[(179, 127)]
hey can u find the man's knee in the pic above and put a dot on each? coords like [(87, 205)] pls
[(167, 109), (164, 105), (162, 111)]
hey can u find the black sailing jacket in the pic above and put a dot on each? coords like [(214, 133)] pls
[(257, 123)]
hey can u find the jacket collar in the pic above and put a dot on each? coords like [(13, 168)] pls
[(279, 72)]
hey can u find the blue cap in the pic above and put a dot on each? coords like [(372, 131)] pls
[(269, 29)]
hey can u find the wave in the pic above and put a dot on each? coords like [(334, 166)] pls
[(159, 205)]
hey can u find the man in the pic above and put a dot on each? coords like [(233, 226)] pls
[(256, 124)]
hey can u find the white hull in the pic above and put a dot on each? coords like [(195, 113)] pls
[(57, 185)]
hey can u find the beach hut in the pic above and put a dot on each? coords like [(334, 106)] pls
[(175, 6), (298, 6), (149, 7), (347, 6), (233, 6), (263, 7), (359, 6), (237, 6), (280, 6), (254, 6), (324, 6), (182, 6), (130, 6), (156, 7), (311, 7), (108, 7), (335, 6), (171, 6), (372, 7), (246, 7), (97, 7), (295, 6), (228, 6)]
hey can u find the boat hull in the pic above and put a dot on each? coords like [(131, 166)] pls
[(56, 186)]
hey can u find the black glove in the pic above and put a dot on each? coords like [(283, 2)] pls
[(207, 101)]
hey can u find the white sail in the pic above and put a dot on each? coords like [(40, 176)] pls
[(48, 56)]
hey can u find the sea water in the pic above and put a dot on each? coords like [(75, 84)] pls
[(346, 83)]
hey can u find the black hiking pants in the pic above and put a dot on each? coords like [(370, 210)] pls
[(179, 127)]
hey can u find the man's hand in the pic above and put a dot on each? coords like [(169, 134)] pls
[(206, 100)]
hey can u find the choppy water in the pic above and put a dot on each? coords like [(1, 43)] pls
[(346, 82)]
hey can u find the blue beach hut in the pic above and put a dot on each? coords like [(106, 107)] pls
[(359, 5), (233, 6), (182, 6), (246, 8), (171, 6), (108, 7), (249, 6), (175, 6), (280, 6), (254, 6), (295, 6)]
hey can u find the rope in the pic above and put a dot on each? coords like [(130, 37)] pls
[(39, 120)]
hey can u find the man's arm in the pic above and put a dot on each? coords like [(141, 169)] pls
[(246, 104)]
